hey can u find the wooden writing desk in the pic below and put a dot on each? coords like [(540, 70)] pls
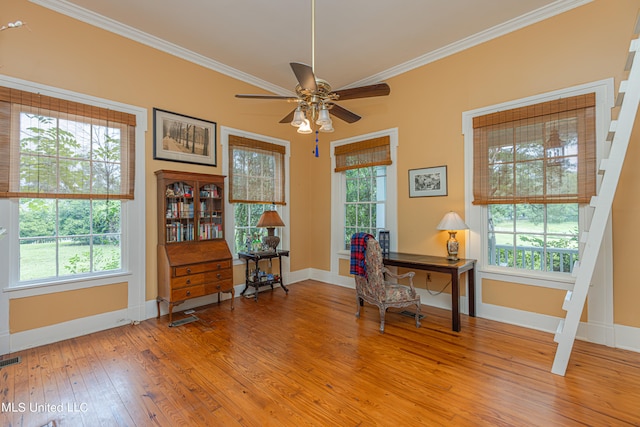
[(442, 265)]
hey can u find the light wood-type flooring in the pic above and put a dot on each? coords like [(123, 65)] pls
[(303, 359)]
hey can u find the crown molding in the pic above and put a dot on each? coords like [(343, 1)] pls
[(545, 12), (92, 18)]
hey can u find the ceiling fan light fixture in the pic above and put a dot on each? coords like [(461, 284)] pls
[(327, 128), (316, 108), (323, 117), (298, 117), (305, 127)]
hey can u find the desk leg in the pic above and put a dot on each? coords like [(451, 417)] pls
[(281, 282), (471, 278), (246, 277), (256, 283), (455, 301)]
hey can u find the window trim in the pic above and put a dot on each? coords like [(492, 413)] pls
[(338, 195), (477, 214), (133, 249), (229, 223)]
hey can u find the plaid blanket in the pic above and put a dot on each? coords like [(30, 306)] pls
[(358, 252)]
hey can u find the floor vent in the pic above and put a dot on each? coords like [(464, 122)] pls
[(410, 314), (9, 362), (184, 321)]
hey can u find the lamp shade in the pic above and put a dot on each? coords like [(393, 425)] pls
[(298, 117), (270, 219), (323, 117), (452, 221), (327, 128), (305, 127)]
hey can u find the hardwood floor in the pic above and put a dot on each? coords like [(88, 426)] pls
[(304, 359)]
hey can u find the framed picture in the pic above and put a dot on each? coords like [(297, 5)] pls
[(428, 182), (180, 138)]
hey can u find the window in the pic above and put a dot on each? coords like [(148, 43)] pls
[(63, 237), (257, 182), (534, 169), (364, 196), (364, 205), (246, 216), (69, 166)]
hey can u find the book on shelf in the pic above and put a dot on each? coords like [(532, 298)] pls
[(210, 231), (179, 189), (178, 232), (180, 209), (210, 191)]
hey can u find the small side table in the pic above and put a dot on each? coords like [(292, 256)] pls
[(257, 279)]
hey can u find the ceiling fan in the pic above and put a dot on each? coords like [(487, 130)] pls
[(315, 98)]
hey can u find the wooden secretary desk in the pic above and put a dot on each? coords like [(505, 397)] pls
[(193, 257)]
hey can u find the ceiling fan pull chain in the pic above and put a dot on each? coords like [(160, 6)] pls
[(316, 153)]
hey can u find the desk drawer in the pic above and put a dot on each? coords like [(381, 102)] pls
[(221, 286), (216, 276), (200, 268), (192, 280), (186, 293)]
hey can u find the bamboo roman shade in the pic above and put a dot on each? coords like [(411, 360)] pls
[(371, 152), (256, 171), (544, 153), (54, 148)]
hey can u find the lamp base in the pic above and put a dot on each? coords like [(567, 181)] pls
[(452, 247), (271, 240)]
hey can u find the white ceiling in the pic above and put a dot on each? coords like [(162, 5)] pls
[(357, 42)]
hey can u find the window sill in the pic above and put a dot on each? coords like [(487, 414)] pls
[(41, 288), (564, 281)]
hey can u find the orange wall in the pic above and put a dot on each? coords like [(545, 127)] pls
[(58, 51), (45, 310), (426, 104), (583, 45)]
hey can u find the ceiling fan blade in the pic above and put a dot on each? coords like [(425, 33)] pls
[(288, 98), (343, 113), (305, 76), (288, 118), (380, 89)]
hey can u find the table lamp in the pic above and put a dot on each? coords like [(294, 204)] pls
[(270, 220), (451, 223)]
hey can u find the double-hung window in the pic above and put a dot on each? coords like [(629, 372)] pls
[(256, 183), (69, 166), (364, 188), (533, 168)]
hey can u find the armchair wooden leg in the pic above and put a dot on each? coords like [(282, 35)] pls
[(383, 311), (418, 315)]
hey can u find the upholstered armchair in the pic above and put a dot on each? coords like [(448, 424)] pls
[(374, 289)]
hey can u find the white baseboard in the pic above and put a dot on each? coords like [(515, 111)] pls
[(526, 319), (5, 342), (66, 330), (627, 338)]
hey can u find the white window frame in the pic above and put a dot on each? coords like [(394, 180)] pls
[(283, 210), (338, 196), (133, 226), (601, 302)]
